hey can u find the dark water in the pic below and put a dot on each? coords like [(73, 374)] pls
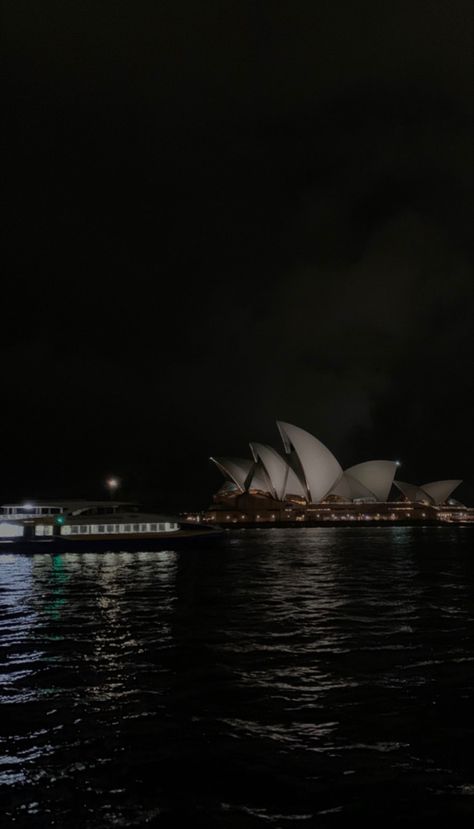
[(288, 678)]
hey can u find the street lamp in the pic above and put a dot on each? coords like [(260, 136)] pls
[(112, 485)]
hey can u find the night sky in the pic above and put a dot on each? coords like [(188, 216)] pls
[(220, 214)]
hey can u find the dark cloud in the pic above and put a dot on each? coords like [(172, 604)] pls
[(220, 216)]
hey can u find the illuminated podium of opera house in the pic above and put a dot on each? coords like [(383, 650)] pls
[(306, 484)]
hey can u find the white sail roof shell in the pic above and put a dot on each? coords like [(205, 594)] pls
[(281, 477), (294, 485), (229, 486), (342, 488), (351, 488), (320, 469), (274, 465), (440, 491), (259, 480), (376, 476), (236, 469), (413, 492)]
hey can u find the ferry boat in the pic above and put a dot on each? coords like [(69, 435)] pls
[(90, 525)]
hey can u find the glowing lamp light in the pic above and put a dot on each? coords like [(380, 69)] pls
[(112, 484), (28, 506)]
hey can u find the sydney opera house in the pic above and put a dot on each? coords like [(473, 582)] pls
[(305, 484)]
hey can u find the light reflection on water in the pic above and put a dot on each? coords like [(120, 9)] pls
[(286, 673)]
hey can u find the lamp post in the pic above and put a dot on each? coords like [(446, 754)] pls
[(112, 485)]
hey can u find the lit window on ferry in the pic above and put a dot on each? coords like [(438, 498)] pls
[(43, 530)]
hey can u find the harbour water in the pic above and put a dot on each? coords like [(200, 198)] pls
[(284, 678)]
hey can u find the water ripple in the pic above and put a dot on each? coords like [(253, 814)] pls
[(288, 677)]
